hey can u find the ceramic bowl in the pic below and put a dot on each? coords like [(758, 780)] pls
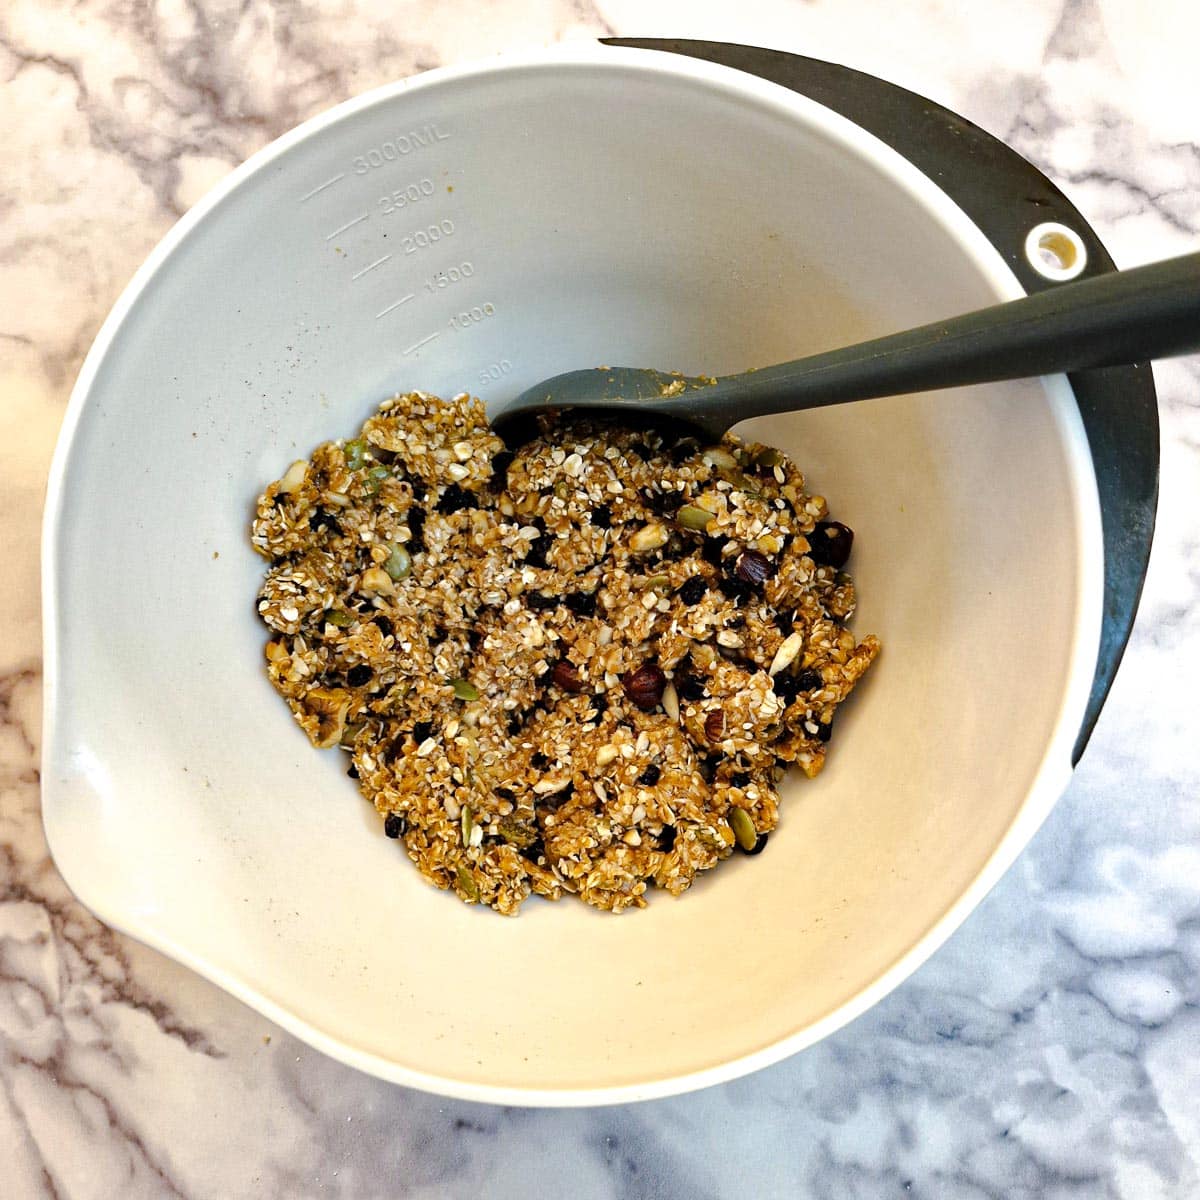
[(480, 228)]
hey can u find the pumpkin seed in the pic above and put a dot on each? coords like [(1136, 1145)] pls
[(356, 454), (743, 828), (517, 833), (468, 824), (339, 618), (466, 884), (690, 516), (399, 563), (718, 456), (375, 478), (464, 689)]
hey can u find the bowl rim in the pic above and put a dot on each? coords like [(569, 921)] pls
[(1053, 772)]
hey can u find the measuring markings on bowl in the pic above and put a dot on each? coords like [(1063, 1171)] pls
[(422, 239), (495, 371), (370, 267), (423, 342), (383, 312), (451, 275), (410, 193), (322, 186), (472, 316), (348, 225), (398, 146), (388, 151)]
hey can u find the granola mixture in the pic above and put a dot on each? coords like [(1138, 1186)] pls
[(577, 669)]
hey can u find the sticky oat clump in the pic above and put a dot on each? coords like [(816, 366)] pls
[(577, 669)]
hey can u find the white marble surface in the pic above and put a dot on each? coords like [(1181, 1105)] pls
[(1051, 1049)]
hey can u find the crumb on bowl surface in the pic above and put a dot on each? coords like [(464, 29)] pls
[(577, 669)]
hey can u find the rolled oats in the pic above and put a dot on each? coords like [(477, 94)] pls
[(576, 669)]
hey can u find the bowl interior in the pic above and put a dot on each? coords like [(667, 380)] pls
[(477, 232)]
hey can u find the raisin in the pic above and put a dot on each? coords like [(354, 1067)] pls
[(753, 568), (824, 730), (693, 590), (830, 544), (710, 551), (455, 499), (602, 516), (540, 603), (538, 761), (809, 680), (690, 688), (650, 776), (385, 625), (662, 504), (359, 675), (739, 779), (422, 730), (538, 549), (352, 771), (734, 589), (500, 464), (416, 527), (666, 839), (394, 825), (582, 604), (760, 844), (682, 450), (535, 850)]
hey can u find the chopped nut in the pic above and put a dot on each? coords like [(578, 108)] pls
[(376, 579), (714, 725), (670, 702), (649, 537), (293, 478), (567, 676), (787, 652), (645, 686), (606, 754)]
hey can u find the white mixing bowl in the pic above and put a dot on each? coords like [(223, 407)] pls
[(479, 229)]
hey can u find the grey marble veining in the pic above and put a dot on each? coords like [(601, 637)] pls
[(1050, 1049)]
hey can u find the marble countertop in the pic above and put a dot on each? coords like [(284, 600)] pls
[(1050, 1049)]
